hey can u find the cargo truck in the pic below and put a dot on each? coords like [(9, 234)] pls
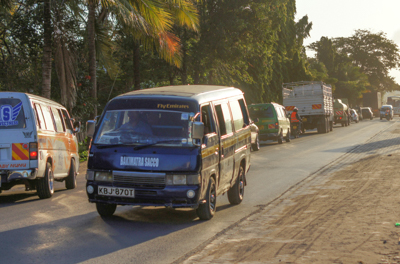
[(373, 100), (314, 102)]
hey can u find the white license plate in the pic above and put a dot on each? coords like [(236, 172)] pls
[(116, 191)]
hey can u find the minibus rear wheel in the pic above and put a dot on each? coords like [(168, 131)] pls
[(236, 193), (106, 210), (45, 185), (206, 211)]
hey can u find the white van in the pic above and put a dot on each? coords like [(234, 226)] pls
[(38, 144)]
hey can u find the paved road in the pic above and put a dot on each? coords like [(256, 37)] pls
[(67, 229)]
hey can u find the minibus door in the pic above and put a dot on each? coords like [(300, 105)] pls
[(227, 145)]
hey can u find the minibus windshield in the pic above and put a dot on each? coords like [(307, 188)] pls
[(161, 127)]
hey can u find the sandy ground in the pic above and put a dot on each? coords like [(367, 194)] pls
[(345, 213)]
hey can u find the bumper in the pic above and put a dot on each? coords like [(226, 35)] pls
[(269, 136), (9, 178), (169, 196)]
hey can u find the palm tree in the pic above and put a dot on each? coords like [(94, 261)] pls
[(148, 21)]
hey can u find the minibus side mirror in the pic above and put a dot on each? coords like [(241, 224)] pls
[(198, 130), (77, 127), (90, 126)]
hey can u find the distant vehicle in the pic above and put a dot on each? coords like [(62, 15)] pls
[(255, 138), (38, 144), (341, 113), (383, 110), (367, 113), (314, 101), (395, 102), (272, 121), (373, 100), (354, 115)]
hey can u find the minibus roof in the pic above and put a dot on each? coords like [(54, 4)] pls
[(200, 93)]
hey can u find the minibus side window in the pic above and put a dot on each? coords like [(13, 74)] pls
[(57, 120), (224, 119), (244, 111), (206, 118), (40, 118), (237, 115), (47, 118), (67, 121)]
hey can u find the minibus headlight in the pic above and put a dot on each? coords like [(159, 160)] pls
[(103, 176), (179, 179), (183, 179), (89, 175), (193, 179)]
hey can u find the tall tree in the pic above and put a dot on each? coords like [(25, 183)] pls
[(375, 54), (47, 49)]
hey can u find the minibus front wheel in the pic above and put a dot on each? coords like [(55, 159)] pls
[(206, 210), (106, 210)]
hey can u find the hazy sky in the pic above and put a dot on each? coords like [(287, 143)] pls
[(340, 18)]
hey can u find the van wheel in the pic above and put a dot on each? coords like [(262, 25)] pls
[(287, 138), (45, 186), (235, 194), (256, 145), (106, 210), (280, 138), (70, 181), (207, 210)]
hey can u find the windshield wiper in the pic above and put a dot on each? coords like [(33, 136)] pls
[(113, 145), (158, 142)]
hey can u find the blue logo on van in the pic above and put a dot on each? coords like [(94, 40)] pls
[(8, 114)]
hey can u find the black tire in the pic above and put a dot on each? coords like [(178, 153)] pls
[(207, 210), (287, 138), (106, 210), (236, 193), (342, 124), (280, 138), (70, 181), (45, 185), (256, 145)]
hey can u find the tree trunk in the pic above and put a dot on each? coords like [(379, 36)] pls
[(136, 65), (46, 62), (92, 53), (184, 59)]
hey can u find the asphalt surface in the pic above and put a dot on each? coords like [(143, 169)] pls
[(67, 229)]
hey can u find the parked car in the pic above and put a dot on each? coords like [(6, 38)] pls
[(354, 115), (367, 113), (383, 110), (255, 138), (38, 144), (273, 122)]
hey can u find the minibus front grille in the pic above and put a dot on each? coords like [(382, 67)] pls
[(135, 179)]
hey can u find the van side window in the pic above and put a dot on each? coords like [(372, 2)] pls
[(40, 117), (47, 118), (224, 119), (237, 115), (67, 121), (244, 112), (57, 120), (206, 118)]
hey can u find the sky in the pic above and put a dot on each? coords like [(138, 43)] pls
[(340, 18)]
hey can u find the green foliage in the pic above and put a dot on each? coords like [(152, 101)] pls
[(83, 150)]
